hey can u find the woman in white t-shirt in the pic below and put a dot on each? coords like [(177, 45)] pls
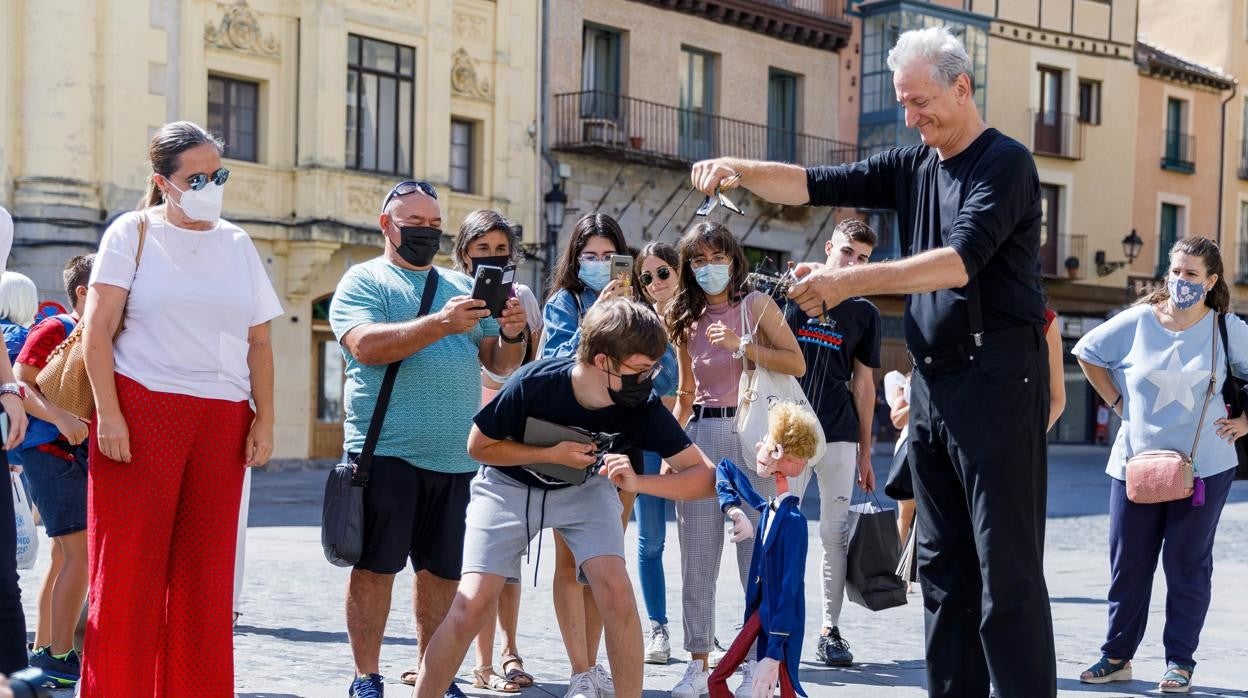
[(175, 426)]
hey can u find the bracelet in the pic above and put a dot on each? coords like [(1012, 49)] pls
[(13, 389), (682, 393), (1116, 401), (511, 340)]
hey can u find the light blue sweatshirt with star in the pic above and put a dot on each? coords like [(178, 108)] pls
[(1164, 377)]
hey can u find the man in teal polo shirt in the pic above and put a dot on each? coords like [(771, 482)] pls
[(418, 488)]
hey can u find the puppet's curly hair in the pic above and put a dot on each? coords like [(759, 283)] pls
[(794, 427)]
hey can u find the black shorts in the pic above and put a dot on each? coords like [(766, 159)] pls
[(413, 513)]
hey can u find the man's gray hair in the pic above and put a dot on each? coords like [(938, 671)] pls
[(938, 48)]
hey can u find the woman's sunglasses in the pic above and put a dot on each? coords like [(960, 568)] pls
[(199, 180), (664, 273)]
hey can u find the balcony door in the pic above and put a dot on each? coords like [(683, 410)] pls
[(1049, 116), (1174, 131), (600, 74), (781, 116), (697, 104), (1050, 227)]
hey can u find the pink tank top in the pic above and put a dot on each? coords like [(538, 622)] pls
[(716, 375)]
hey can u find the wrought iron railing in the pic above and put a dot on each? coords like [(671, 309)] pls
[(1065, 257), (1179, 152), (1056, 134), (636, 129), (829, 9)]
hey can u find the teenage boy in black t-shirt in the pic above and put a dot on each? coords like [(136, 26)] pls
[(606, 388), (841, 347)]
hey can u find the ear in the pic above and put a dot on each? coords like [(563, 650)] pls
[(1213, 281), (962, 88), (827, 247)]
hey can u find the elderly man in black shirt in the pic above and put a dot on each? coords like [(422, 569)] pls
[(968, 204)]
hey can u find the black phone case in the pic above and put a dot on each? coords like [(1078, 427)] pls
[(488, 286)]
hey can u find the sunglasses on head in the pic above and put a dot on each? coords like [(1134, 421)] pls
[(199, 180), (410, 186), (664, 273)]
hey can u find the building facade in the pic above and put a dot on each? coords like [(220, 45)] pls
[(323, 105), (638, 90)]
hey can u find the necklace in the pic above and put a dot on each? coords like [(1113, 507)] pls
[(1181, 326), (199, 238)]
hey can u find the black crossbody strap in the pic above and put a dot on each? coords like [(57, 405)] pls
[(1228, 388), (365, 460)]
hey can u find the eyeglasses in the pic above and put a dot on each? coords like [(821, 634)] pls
[(720, 258), (720, 199), (410, 186), (591, 257), (664, 273), (199, 180), (650, 373)]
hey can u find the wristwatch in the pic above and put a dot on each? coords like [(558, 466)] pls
[(740, 352), (13, 389)]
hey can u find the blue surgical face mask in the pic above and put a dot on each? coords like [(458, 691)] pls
[(1184, 294), (595, 274), (713, 278)]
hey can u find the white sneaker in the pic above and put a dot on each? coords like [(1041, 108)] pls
[(602, 681), (693, 683), (717, 653), (746, 689), (659, 647), (581, 686)]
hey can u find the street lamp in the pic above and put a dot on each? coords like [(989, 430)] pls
[(1131, 247), (555, 207)]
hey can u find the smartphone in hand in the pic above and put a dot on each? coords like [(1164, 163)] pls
[(622, 268), (493, 285)]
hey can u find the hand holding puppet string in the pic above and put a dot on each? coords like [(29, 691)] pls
[(775, 610)]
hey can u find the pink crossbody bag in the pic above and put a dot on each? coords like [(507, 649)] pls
[(1164, 475)]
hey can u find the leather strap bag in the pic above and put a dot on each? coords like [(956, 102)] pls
[(64, 381), (1165, 475), (342, 515)]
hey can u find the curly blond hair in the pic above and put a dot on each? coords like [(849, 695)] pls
[(793, 427)]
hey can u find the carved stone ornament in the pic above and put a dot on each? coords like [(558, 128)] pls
[(464, 78), (240, 31)]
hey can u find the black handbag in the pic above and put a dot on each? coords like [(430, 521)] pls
[(342, 517), (900, 482), (1235, 393)]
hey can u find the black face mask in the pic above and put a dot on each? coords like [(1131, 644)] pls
[(418, 244), (634, 390), (500, 261)]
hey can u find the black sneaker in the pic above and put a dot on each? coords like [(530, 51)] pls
[(833, 650), (61, 672), (368, 686)]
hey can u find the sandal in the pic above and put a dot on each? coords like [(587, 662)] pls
[(1105, 671), (516, 674), (409, 677), (1178, 675), (494, 682)]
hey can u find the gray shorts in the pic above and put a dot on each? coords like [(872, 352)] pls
[(587, 516)]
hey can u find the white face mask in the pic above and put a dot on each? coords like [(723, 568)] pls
[(203, 205)]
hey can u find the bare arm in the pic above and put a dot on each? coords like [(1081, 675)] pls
[(507, 452), (260, 364), (694, 477), (684, 386), (73, 428), (105, 304), (930, 271), (500, 357), (777, 182), (380, 344), (1057, 374), (13, 408), (781, 352), (900, 413), (863, 388), (1103, 384)]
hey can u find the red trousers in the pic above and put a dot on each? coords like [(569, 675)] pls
[(738, 652), (161, 531)]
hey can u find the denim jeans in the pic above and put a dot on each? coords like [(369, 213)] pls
[(651, 513)]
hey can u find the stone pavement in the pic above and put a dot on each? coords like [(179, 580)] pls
[(291, 640)]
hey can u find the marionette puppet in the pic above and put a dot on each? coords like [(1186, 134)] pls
[(775, 612)]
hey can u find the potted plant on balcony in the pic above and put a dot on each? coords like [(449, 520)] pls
[(636, 141)]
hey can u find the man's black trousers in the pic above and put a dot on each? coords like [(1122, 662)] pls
[(977, 446)]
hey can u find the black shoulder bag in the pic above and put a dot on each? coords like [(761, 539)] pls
[(1235, 393), (342, 518)]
